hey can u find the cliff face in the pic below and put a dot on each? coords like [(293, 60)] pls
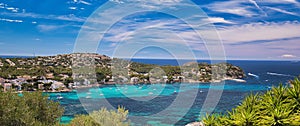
[(235, 72), (60, 67)]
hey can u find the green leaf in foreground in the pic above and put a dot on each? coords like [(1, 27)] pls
[(277, 107)]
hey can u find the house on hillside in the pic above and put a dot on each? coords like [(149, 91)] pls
[(7, 86), (50, 76), (2, 81), (46, 81), (57, 85), (134, 80)]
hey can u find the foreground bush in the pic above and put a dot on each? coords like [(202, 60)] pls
[(30, 109), (278, 107), (102, 117)]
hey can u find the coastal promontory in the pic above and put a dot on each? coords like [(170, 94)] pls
[(57, 72)]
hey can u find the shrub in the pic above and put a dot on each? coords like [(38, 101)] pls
[(30, 109), (279, 106), (102, 117)]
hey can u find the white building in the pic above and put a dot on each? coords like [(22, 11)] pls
[(57, 85), (7, 86), (134, 80), (2, 81)]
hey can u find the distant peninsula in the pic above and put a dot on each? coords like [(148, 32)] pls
[(54, 73)]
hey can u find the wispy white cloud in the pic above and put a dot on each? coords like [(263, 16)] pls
[(254, 2), (84, 2), (232, 7), (150, 4), (258, 32), (288, 56), (291, 1), (81, 2), (236, 34), (258, 7), (282, 11), (264, 51), (240, 39), (240, 7), (249, 40), (72, 8), (12, 9), (70, 17), (281, 1), (46, 28), (10, 20), (218, 20), (117, 1)]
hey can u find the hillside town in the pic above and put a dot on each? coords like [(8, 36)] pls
[(63, 73)]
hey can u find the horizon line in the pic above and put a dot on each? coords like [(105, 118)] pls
[(159, 58)]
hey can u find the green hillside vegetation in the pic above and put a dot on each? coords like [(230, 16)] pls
[(30, 109), (279, 106), (34, 109)]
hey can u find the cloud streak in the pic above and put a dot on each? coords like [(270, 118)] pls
[(70, 17), (232, 7), (288, 56), (259, 32), (282, 11), (258, 7), (10, 20), (47, 28), (218, 20)]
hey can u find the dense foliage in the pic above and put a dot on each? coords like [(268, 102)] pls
[(102, 117), (278, 107), (30, 109), (34, 109)]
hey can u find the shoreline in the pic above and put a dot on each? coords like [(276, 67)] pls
[(110, 84)]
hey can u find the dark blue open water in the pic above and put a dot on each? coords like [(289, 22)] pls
[(134, 97)]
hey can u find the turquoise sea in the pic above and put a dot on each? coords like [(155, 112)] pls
[(155, 103)]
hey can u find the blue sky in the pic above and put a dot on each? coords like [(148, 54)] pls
[(249, 29)]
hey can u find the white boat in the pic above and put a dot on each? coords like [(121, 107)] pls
[(277, 74), (253, 75), (239, 80), (60, 97)]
